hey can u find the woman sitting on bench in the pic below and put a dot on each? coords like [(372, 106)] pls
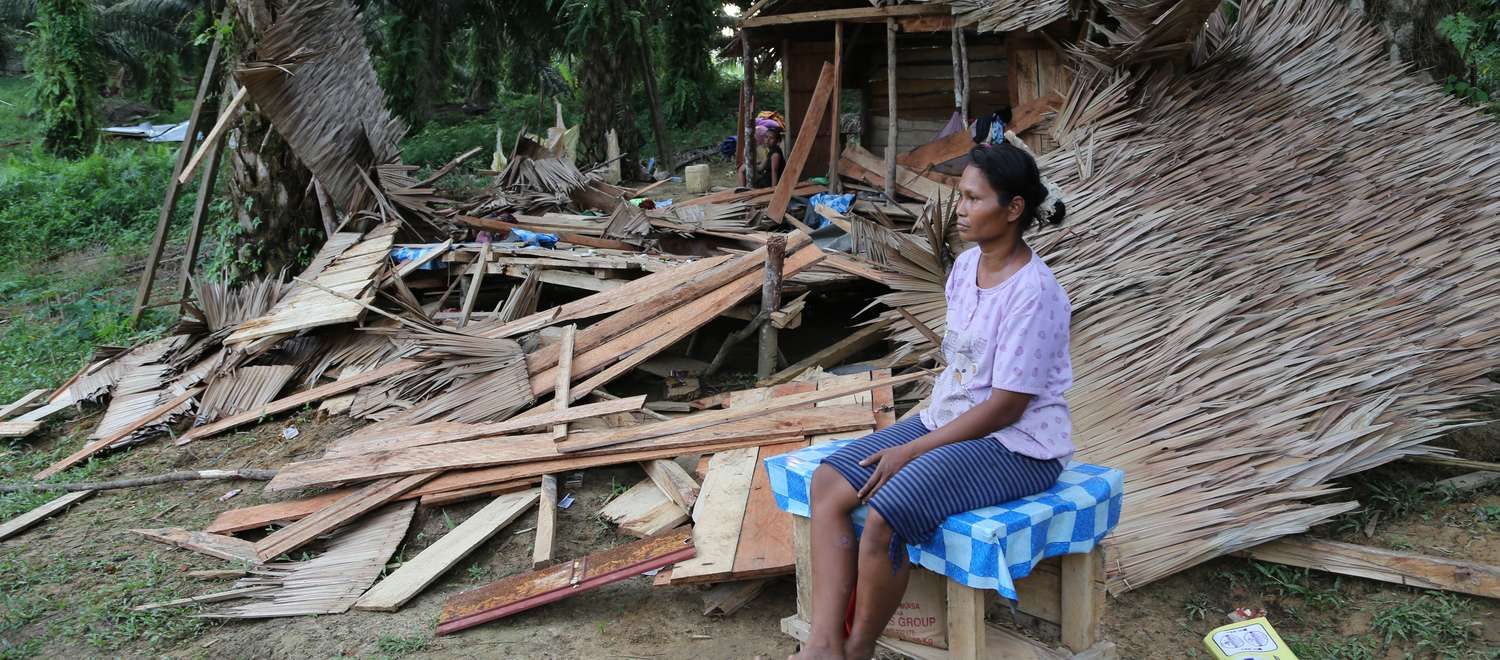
[(997, 429)]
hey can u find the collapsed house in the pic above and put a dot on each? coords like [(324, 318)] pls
[(1279, 254)]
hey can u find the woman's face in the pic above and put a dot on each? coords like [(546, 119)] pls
[(767, 138), (981, 216)]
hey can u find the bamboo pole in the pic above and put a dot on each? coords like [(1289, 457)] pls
[(747, 61)]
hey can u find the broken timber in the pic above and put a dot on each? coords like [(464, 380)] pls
[(519, 593)]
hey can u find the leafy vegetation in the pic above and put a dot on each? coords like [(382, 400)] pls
[(1475, 32), (64, 58)]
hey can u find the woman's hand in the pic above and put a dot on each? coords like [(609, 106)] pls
[(887, 463)]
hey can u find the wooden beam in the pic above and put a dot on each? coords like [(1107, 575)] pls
[(560, 394), (540, 455), (24, 521), (1081, 571), (195, 228), (227, 115), (223, 547), (26, 402), (673, 481), (379, 438), (770, 298), (519, 593), (747, 65), (545, 541), (835, 118), (566, 237), (892, 123), (1404, 568), (169, 202), (855, 14), (807, 135), (833, 355), (419, 572), (480, 266), (336, 515), (17, 429)]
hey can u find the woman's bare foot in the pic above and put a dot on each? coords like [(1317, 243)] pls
[(854, 651), (818, 650)]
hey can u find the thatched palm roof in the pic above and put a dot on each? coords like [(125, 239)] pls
[(1284, 266)]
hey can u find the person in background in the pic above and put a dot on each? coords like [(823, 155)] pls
[(772, 161)]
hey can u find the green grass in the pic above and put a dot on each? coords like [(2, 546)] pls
[(402, 645), (1437, 623), (43, 594)]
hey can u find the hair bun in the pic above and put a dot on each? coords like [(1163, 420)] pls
[(1052, 210)]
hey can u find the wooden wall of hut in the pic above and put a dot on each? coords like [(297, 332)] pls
[(924, 86), (802, 61)]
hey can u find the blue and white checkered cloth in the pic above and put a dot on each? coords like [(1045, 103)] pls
[(992, 547)]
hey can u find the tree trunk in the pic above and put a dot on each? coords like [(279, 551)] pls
[(273, 201), (605, 81)]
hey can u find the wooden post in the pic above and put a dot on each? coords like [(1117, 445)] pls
[(1082, 600), (770, 301), (811, 120), (169, 203), (747, 61), (835, 119), (963, 59), (546, 524), (200, 210), (966, 635), (890, 90)]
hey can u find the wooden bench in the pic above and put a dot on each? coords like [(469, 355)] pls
[(1062, 595)]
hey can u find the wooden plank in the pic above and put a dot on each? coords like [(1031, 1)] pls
[(23, 404), (711, 418), (433, 252), (718, 517), (378, 438), (854, 14), (339, 513), (18, 429), (835, 118), (891, 96), (644, 511), (418, 573), (522, 592), (575, 238), (761, 429), (765, 544), (836, 354), (451, 496), (24, 521), (1404, 568), (560, 394), (210, 141), (730, 597), (546, 523), (1081, 573), (262, 515), (213, 545), (216, 597), (802, 554), (955, 145), (808, 134), (500, 473), (674, 482), (966, 629), (91, 448), (280, 513), (480, 266), (906, 180)]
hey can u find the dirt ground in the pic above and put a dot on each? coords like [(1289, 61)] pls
[(67, 585)]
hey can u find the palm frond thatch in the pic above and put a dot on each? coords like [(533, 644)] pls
[(1282, 275)]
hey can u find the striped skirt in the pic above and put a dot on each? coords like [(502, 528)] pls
[(951, 479)]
